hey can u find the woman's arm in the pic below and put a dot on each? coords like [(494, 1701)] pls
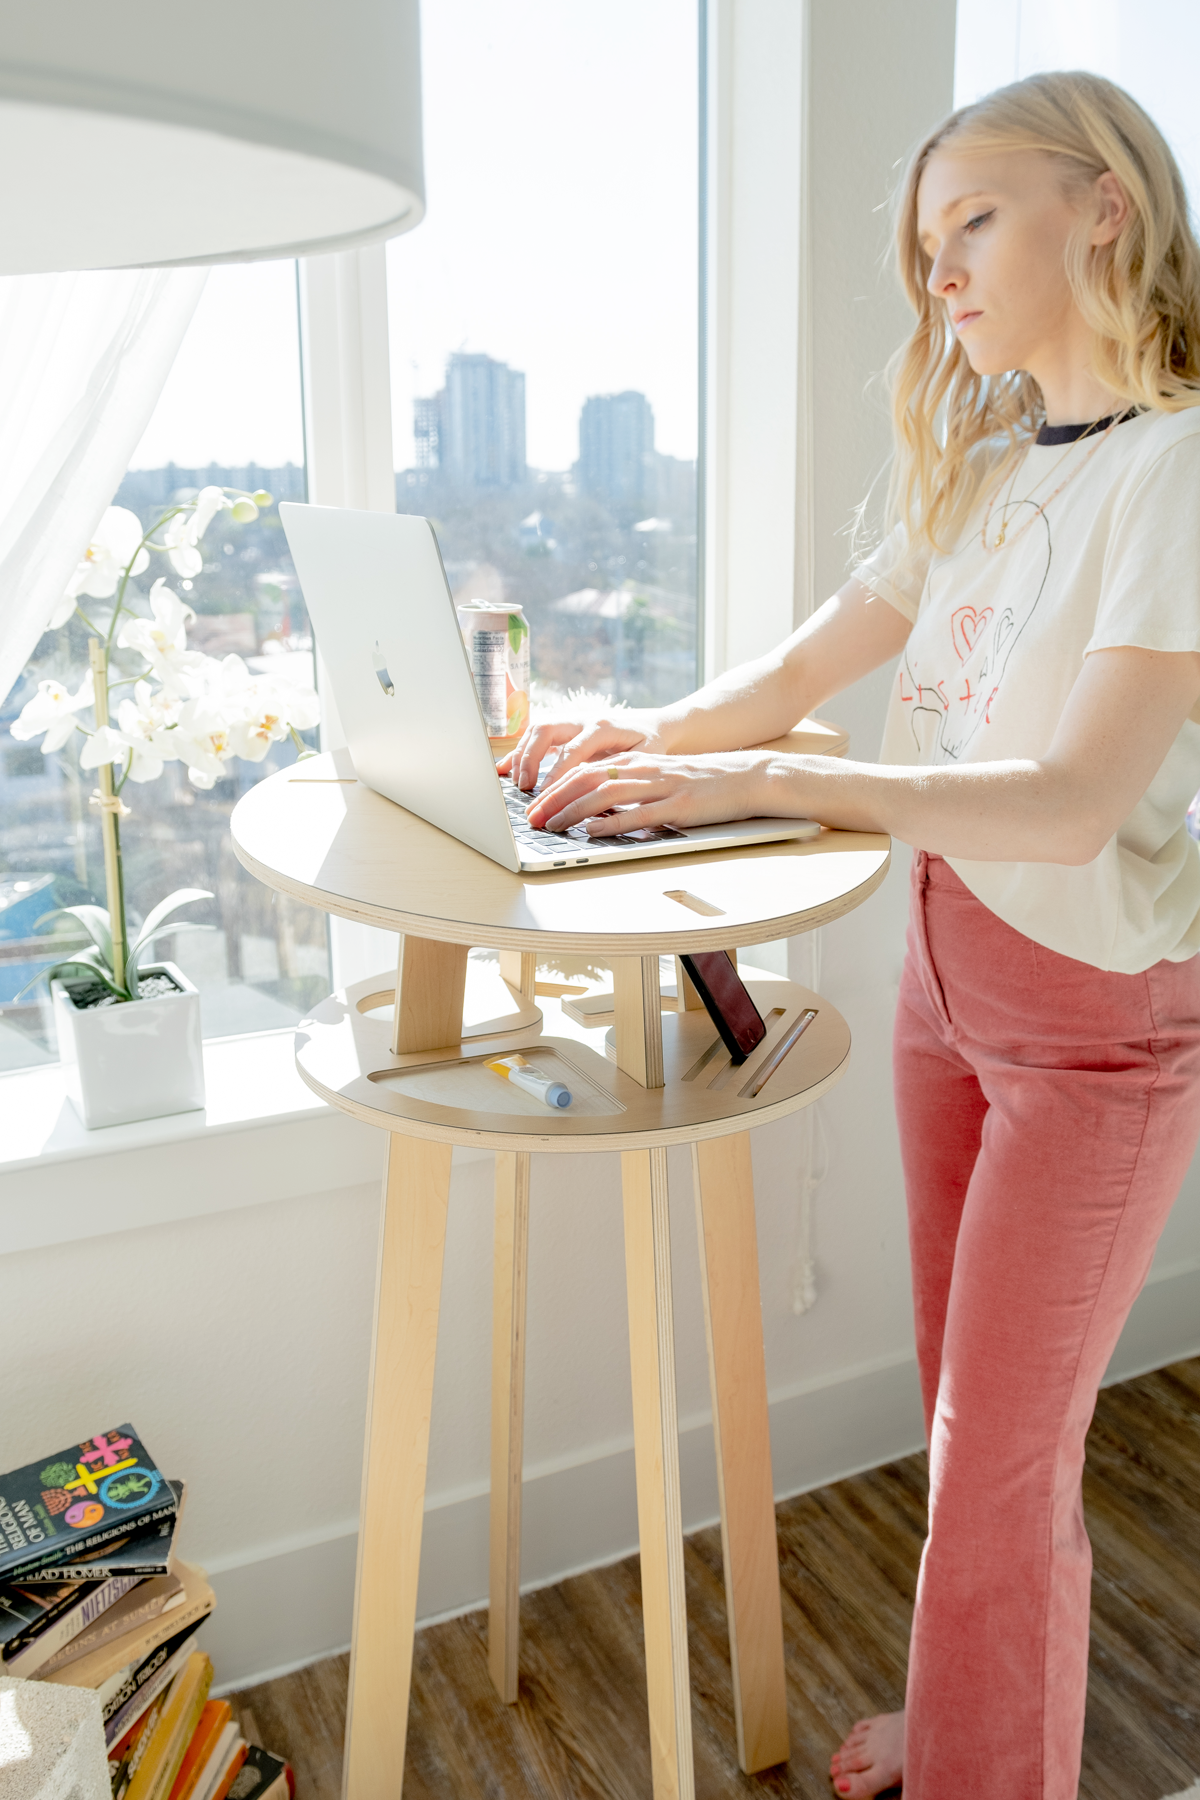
[(1123, 714), (851, 634)]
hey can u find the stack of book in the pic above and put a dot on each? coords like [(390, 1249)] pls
[(94, 1594)]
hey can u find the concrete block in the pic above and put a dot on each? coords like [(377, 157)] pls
[(51, 1742)]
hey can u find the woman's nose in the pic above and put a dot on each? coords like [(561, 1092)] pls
[(943, 279)]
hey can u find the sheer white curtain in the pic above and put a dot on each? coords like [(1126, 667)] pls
[(83, 359)]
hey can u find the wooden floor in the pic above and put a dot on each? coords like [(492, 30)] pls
[(849, 1558)]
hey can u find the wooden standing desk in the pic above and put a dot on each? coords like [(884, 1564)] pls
[(406, 1054)]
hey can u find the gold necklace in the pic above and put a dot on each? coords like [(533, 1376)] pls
[(1002, 536)]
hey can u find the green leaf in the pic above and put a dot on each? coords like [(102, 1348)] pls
[(94, 920), (91, 962), (163, 910), (518, 631), (133, 962)]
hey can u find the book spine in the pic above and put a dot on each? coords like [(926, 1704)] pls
[(12, 1570), (121, 1770), (226, 1780), (126, 1623), (91, 1571), (175, 1749), (149, 1681)]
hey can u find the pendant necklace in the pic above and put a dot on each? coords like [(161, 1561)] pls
[(1001, 538)]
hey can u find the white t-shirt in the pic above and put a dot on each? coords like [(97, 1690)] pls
[(999, 638)]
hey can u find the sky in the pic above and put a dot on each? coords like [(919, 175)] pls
[(561, 160)]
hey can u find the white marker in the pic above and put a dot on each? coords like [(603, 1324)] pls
[(515, 1069)]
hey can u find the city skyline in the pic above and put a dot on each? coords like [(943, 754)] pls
[(617, 459)]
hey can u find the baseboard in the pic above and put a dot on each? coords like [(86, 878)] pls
[(290, 1603)]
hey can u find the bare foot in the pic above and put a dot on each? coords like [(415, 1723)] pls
[(871, 1759)]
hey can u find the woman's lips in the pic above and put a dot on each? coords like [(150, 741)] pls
[(963, 319)]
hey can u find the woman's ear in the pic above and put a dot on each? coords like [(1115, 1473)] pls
[(1112, 208)]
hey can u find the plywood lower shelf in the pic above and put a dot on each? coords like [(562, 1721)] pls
[(343, 1053)]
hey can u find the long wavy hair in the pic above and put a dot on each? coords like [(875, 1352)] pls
[(1140, 294)]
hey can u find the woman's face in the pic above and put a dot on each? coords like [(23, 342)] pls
[(996, 228)]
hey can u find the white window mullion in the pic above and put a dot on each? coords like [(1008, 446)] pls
[(348, 443)]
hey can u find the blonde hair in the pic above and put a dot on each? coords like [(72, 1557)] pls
[(1140, 294)]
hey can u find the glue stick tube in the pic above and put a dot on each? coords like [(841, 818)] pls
[(515, 1069)]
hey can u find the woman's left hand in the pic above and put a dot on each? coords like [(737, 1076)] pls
[(654, 790)]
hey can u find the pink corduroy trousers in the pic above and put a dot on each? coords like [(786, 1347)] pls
[(1048, 1112)]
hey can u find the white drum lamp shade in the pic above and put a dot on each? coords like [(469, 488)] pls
[(147, 132)]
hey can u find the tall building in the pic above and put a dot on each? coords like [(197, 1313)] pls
[(616, 451), (474, 430), (427, 418)]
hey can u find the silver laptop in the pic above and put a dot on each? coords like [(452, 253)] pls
[(381, 607)]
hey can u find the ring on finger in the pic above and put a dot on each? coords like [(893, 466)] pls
[(614, 774)]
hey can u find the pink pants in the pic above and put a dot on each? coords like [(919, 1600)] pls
[(1048, 1112)]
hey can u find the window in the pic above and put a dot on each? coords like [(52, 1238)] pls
[(544, 331), (1148, 48), (230, 414)]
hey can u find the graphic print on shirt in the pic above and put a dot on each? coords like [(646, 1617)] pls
[(951, 676)]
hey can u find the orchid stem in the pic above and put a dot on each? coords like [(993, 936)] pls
[(109, 828)]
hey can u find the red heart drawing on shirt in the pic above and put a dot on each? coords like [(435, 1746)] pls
[(967, 627)]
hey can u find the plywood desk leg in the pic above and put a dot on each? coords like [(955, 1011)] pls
[(431, 980), (638, 1006), (733, 1320), (656, 1453), (508, 1418), (407, 1296), (509, 1280)]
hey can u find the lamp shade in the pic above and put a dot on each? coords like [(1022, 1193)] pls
[(148, 132)]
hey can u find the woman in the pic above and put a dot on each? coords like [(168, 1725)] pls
[(1041, 587)]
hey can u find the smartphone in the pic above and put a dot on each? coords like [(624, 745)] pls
[(727, 1001)]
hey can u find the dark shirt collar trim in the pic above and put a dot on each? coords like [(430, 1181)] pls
[(1070, 434)]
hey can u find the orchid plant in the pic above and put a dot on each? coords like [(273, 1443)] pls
[(184, 707)]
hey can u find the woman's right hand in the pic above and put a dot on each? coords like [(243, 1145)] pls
[(579, 741)]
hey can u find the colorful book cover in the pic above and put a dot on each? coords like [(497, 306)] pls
[(146, 1551), (79, 1499)]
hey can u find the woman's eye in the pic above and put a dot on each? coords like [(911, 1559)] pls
[(972, 225)]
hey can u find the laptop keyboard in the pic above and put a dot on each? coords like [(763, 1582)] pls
[(559, 843)]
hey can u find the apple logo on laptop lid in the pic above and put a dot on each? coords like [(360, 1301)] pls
[(381, 670)]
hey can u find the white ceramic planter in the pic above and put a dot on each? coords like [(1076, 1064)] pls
[(135, 1061)]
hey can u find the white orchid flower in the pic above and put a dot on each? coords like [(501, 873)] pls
[(105, 745), (203, 739), (53, 711), (116, 538), (184, 531), (147, 729), (270, 710), (162, 640)]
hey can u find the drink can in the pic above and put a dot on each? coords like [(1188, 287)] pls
[(497, 640)]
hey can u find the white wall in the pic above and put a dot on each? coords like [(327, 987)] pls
[(237, 1339)]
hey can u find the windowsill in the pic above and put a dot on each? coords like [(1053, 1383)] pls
[(250, 1081), (264, 1137)]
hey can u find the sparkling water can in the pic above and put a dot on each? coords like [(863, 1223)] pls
[(497, 640)]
